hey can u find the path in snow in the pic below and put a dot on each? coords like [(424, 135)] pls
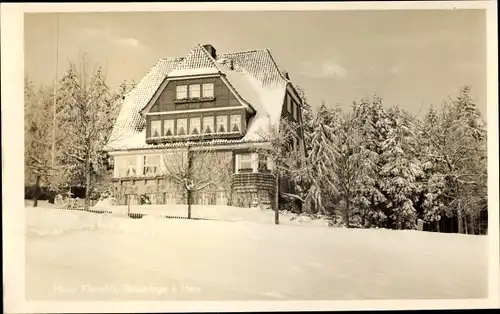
[(69, 255)]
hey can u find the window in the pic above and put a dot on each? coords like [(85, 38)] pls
[(208, 90), (208, 125), (155, 128), (194, 126), (151, 165), (181, 92), (295, 111), (194, 91), (128, 166), (181, 126), (245, 162), (289, 104), (235, 123), (221, 124), (168, 127)]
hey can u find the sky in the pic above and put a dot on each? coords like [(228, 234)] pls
[(412, 58)]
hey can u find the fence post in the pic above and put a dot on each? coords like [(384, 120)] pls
[(128, 204)]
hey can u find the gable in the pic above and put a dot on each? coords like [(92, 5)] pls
[(253, 77), (222, 96)]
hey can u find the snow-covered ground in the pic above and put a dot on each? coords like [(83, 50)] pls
[(75, 255)]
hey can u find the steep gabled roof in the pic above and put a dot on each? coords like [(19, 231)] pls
[(198, 61), (254, 75)]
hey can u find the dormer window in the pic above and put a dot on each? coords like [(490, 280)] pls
[(155, 128), (235, 123), (181, 126), (194, 91), (208, 90), (168, 127), (221, 124), (208, 125), (194, 126), (181, 92)]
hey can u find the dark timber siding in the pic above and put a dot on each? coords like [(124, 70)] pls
[(223, 97)]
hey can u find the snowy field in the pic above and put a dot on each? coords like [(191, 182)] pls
[(76, 255)]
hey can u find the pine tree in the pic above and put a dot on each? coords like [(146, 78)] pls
[(322, 156), (400, 171), (373, 125)]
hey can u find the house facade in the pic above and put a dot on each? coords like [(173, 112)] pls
[(206, 101)]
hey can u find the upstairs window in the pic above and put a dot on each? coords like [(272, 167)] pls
[(155, 128), (181, 92), (289, 104), (168, 127), (295, 111), (194, 91), (208, 90), (221, 124), (194, 126), (151, 165), (208, 125), (181, 126), (236, 123)]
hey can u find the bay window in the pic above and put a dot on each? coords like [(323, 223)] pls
[(155, 128), (208, 125), (168, 127), (181, 126), (244, 162), (208, 90), (221, 124), (236, 123), (194, 126)]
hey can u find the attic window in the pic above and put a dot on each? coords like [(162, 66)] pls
[(181, 92), (208, 90), (194, 91)]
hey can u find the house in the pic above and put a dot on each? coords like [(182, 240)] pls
[(211, 100)]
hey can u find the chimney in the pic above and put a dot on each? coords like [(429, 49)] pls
[(285, 74), (211, 50)]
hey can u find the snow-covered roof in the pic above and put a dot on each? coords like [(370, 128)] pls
[(254, 75)]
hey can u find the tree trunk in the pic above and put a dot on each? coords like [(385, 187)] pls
[(276, 200), (459, 211), (37, 191), (87, 181), (189, 203), (346, 212)]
